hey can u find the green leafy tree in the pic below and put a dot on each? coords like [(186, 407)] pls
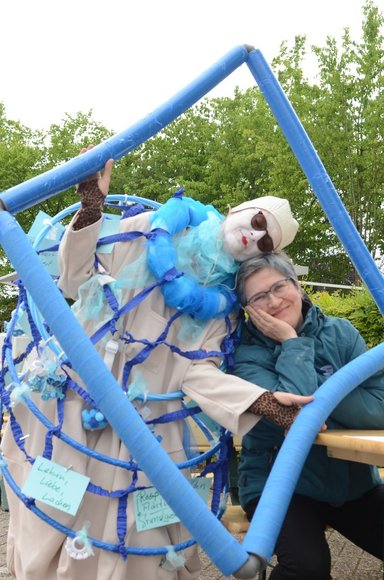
[(287, 178), (227, 150), (64, 142), (176, 157), (20, 154), (341, 110), (25, 154), (239, 168), (345, 126)]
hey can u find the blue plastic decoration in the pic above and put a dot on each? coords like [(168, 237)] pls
[(181, 291), (221, 547), (317, 176)]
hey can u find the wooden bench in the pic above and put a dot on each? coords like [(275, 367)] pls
[(234, 518)]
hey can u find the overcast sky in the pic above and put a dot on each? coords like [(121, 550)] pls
[(124, 58)]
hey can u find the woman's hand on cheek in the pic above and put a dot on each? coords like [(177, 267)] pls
[(270, 326)]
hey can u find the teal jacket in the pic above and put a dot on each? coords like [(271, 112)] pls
[(300, 366)]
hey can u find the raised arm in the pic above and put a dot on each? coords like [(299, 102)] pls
[(78, 246)]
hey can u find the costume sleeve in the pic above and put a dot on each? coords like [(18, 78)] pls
[(78, 247), (363, 408), (224, 397), (92, 201), (77, 257)]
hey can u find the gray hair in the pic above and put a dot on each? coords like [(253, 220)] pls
[(276, 261)]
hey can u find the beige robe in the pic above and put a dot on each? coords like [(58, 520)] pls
[(35, 549)]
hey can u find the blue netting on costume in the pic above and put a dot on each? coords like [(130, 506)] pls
[(42, 370)]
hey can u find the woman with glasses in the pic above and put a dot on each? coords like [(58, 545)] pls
[(288, 345)]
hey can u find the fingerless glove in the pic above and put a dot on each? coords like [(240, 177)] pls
[(92, 201), (268, 406)]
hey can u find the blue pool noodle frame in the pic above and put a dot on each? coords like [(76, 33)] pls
[(228, 555)]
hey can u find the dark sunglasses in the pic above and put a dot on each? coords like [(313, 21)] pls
[(259, 223)]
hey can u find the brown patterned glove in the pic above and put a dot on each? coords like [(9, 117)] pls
[(268, 406), (92, 200)]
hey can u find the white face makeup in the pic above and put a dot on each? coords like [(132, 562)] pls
[(240, 238)]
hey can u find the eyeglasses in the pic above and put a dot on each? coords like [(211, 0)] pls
[(277, 289), (258, 223)]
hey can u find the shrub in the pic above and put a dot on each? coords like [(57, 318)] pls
[(358, 307)]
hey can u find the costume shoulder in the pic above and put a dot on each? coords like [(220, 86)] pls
[(180, 212), (139, 222)]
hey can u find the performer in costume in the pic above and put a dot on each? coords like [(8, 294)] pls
[(162, 311)]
